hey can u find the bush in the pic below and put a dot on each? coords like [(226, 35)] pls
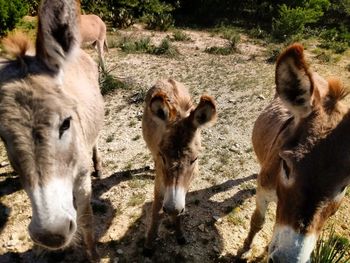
[(337, 39), (161, 22), (230, 48), (331, 250), (292, 21), (165, 48), (131, 45), (108, 82), (179, 35), (10, 13)]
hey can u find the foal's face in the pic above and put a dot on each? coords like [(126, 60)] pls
[(179, 150), (38, 127), (314, 154)]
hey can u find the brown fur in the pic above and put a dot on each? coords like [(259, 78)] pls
[(313, 146), (171, 128)]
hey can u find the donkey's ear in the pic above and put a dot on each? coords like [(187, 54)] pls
[(58, 32), (160, 107), (205, 112), (294, 82)]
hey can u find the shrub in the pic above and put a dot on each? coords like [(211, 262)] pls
[(179, 35), (131, 45), (143, 45), (337, 39), (10, 13), (331, 250), (292, 21), (108, 82), (230, 48), (165, 48), (161, 22)]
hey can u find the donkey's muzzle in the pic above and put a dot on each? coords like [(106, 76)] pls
[(173, 210), (56, 237)]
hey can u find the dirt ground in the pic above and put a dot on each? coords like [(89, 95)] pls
[(221, 198)]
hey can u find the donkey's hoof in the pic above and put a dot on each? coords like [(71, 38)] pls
[(182, 241), (148, 252), (97, 174)]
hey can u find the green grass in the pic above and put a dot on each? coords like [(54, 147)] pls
[(333, 249), (179, 35), (165, 48), (28, 26), (234, 218), (229, 49), (108, 82), (144, 45), (136, 199)]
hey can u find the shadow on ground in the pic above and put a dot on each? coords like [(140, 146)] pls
[(205, 240)]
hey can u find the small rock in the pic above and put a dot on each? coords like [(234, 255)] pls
[(116, 260), (216, 249), (120, 251), (3, 164), (217, 219), (11, 243), (201, 227), (343, 226), (261, 97)]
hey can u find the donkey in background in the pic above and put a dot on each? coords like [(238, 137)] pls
[(93, 30), (302, 141), (51, 112), (171, 127)]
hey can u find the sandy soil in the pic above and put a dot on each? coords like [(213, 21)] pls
[(221, 199)]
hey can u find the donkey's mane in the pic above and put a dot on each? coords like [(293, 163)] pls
[(16, 45), (337, 91)]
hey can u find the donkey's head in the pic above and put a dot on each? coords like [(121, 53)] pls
[(39, 124), (179, 148), (315, 157)]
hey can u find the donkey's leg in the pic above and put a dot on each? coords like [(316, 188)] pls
[(179, 233), (100, 53), (155, 219), (82, 194), (258, 218), (96, 158)]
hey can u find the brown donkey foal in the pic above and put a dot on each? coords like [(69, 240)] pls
[(302, 141), (171, 127), (51, 111)]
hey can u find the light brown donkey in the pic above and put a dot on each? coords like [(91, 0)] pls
[(51, 111), (93, 30), (302, 141), (171, 127)]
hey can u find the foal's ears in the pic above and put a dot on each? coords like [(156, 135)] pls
[(294, 83), (205, 112), (160, 107), (58, 32)]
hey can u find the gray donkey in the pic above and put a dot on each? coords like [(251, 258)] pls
[(51, 112)]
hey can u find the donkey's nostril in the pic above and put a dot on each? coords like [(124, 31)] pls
[(165, 210), (270, 260), (71, 226), (182, 210)]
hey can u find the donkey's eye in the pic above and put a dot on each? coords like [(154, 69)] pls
[(193, 161), (65, 126), (285, 168)]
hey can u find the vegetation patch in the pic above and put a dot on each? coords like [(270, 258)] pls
[(108, 82), (179, 35), (136, 199), (332, 249), (143, 45)]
